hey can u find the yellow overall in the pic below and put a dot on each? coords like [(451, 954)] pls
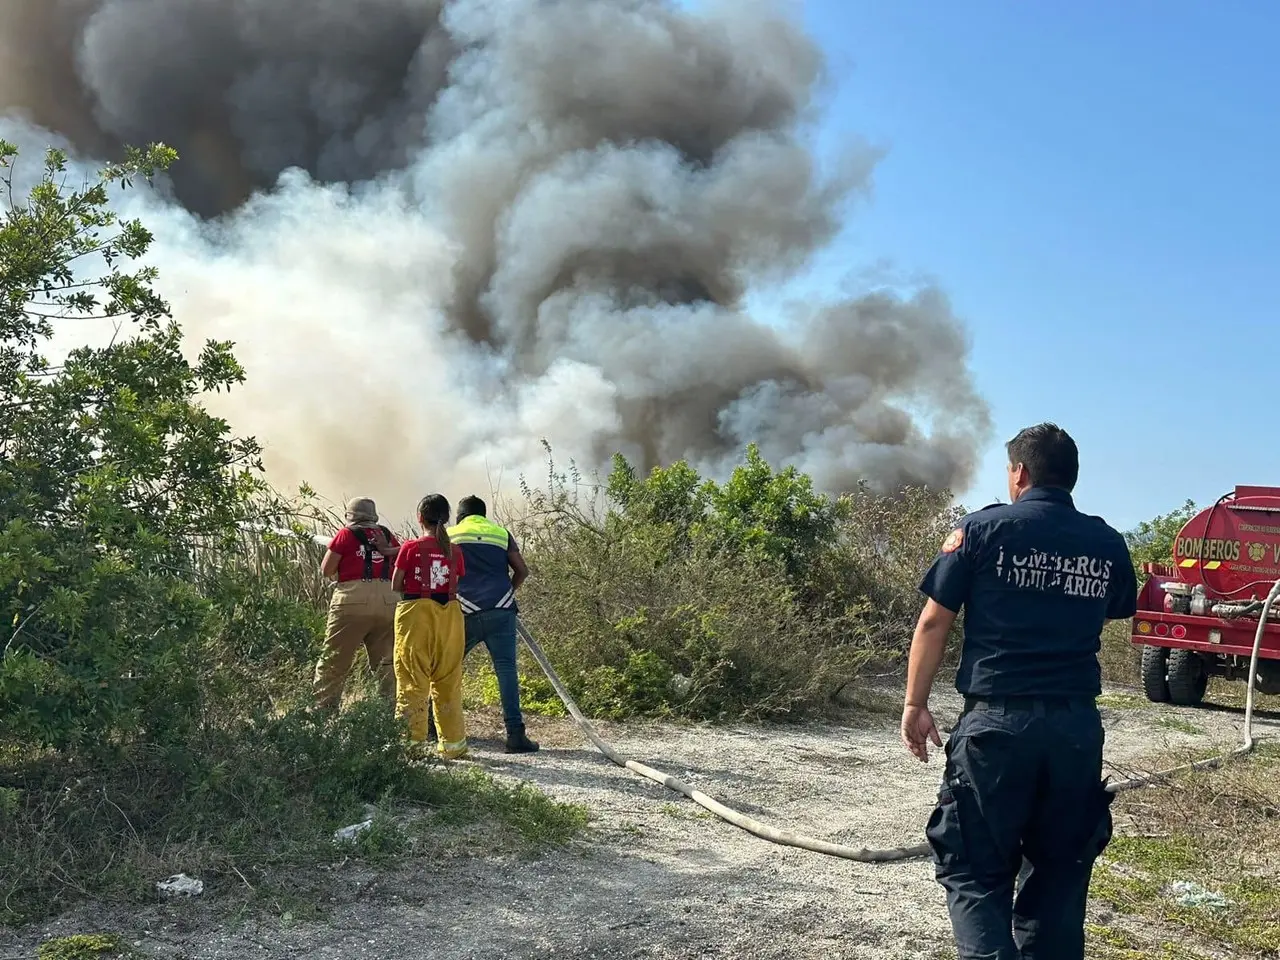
[(430, 641)]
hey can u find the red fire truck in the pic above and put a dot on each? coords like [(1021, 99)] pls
[(1198, 616)]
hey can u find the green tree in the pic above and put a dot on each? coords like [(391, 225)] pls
[(153, 710), (1152, 540), (113, 477), (775, 514), (668, 495)]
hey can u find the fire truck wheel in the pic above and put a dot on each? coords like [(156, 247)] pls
[(1188, 678), (1155, 664)]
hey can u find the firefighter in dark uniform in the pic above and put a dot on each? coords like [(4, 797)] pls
[(1022, 784)]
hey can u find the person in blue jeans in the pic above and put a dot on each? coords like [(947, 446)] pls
[(1022, 783), (487, 594)]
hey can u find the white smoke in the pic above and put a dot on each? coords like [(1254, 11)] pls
[(552, 240)]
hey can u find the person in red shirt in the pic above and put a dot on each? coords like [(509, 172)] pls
[(430, 634), (362, 608)]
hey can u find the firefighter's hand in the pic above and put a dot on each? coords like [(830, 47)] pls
[(917, 729)]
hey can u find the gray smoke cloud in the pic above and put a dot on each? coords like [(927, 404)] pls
[(442, 231)]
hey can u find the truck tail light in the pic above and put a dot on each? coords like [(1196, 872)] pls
[(1143, 627), (1162, 629), (1178, 632)]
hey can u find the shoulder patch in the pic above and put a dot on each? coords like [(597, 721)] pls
[(954, 539)]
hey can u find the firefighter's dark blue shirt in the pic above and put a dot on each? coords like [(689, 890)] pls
[(1037, 579)]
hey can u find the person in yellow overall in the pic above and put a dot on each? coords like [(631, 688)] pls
[(362, 608), (430, 635)]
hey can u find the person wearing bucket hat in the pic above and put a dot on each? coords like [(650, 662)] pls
[(363, 606)]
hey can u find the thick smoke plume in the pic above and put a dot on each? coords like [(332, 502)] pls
[(442, 231)]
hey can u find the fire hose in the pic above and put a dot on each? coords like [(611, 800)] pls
[(1247, 743), (864, 855), (750, 824)]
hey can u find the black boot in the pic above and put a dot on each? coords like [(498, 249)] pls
[(517, 742)]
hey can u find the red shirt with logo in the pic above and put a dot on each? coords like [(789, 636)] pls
[(426, 571), (348, 548)]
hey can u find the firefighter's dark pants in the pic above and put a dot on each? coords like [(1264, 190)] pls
[(496, 629), (1023, 778)]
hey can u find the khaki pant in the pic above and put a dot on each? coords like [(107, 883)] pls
[(430, 640), (361, 612)]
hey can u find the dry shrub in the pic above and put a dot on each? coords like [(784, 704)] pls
[(755, 598)]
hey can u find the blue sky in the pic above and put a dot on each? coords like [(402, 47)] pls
[(1088, 181)]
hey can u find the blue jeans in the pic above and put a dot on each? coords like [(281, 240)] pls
[(496, 629), (1022, 788)]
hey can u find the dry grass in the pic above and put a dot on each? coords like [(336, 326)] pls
[(1219, 830), (1120, 660)]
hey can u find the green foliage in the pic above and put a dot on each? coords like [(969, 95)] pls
[(530, 813), (641, 686), (259, 795), (112, 476), (1152, 540), (81, 947), (775, 516), (537, 697), (771, 516), (153, 680), (673, 595)]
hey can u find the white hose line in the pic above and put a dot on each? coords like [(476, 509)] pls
[(862, 855), (1248, 744), (750, 824), (865, 855)]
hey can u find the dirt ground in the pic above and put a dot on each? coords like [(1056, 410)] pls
[(659, 877)]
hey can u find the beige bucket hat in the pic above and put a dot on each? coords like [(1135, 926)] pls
[(361, 510)]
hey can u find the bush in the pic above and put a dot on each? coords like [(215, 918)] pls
[(153, 688), (111, 476), (671, 595), (81, 947), (263, 794)]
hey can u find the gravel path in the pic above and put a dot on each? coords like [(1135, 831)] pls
[(662, 878)]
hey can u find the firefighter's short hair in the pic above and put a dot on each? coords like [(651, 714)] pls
[(471, 506), (1049, 455)]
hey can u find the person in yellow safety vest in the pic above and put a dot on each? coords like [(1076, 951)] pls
[(487, 595), (362, 608), (429, 632)]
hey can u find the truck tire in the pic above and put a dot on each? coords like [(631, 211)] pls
[(1155, 665), (1188, 677)]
